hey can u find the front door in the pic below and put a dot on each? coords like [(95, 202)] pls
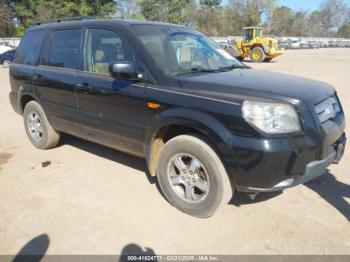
[(111, 110)]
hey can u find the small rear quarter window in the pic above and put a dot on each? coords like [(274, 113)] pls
[(28, 51)]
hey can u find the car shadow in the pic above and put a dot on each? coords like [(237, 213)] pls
[(110, 154), (252, 63), (241, 198), (34, 250), (333, 191)]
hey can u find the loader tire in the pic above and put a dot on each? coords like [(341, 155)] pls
[(257, 55)]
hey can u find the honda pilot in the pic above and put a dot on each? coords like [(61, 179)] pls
[(207, 124)]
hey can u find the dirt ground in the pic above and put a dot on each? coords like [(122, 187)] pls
[(82, 198)]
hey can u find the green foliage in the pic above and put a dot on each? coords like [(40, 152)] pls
[(281, 20), (212, 17), (174, 11), (210, 2), (7, 27), (28, 11), (344, 30)]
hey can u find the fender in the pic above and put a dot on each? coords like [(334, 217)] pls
[(263, 46), (266, 49), (29, 90), (204, 123)]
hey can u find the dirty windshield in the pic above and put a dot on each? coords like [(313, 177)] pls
[(178, 50)]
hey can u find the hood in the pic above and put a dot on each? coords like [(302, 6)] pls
[(237, 84)]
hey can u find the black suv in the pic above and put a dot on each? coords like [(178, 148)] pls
[(206, 123)]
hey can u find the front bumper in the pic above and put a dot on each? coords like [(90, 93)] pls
[(312, 170)]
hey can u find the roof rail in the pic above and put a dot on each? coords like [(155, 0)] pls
[(64, 19)]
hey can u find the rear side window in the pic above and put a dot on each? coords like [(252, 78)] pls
[(28, 51), (62, 50)]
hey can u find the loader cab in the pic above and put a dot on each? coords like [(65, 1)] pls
[(250, 33)]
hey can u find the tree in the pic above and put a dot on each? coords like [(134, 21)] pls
[(209, 20), (127, 9), (166, 11), (28, 11), (282, 19), (314, 25), (333, 14), (7, 27), (212, 17), (344, 30), (210, 3), (299, 25)]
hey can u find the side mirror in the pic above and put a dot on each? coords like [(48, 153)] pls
[(123, 70)]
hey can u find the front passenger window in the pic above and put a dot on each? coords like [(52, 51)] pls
[(102, 47)]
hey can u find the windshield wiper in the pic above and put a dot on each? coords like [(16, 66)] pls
[(203, 69), (233, 66), (199, 69)]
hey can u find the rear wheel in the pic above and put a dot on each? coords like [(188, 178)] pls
[(38, 129), (257, 55), (192, 176)]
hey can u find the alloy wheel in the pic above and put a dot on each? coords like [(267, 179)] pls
[(188, 177)]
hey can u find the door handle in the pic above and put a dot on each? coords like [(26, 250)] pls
[(38, 78), (85, 87)]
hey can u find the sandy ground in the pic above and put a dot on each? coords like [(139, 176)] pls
[(89, 199)]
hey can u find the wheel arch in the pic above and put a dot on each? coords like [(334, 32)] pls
[(25, 95), (24, 99), (261, 45), (186, 121)]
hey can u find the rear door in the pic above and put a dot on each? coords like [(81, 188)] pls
[(22, 68), (111, 110), (55, 78)]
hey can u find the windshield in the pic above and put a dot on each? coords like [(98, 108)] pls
[(179, 50)]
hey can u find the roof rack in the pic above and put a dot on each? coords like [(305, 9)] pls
[(64, 19)]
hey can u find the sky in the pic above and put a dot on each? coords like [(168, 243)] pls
[(297, 5), (307, 5)]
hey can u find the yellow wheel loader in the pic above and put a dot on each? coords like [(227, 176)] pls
[(255, 46)]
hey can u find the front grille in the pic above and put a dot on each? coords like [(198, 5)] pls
[(328, 109)]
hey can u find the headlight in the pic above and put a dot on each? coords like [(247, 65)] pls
[(271, 118)]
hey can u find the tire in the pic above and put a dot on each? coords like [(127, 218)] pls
[(257, 55), (6, 63), (39, 131), (215, 188)]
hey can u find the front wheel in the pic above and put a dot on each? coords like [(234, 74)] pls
[(192, 176), (6, 63), (257, 55)]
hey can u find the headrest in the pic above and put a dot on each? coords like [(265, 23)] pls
[(99, 56)]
